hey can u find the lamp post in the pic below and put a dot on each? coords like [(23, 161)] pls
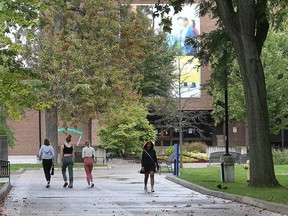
[(226, 121), (40, 132)]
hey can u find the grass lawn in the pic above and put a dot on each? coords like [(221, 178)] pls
[(210, 177)]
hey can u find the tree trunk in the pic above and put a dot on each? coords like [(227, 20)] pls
[(51, 115), (51, 122), (261, 160), (90, 130), (247, 28)]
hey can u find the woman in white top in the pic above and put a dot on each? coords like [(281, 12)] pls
[(47, 155), (88, 153)]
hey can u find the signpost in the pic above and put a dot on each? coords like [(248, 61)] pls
[(176, 161)]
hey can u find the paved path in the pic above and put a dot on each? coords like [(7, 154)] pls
[(118, 191)]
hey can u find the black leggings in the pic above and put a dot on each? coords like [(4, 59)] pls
[(47, 164)]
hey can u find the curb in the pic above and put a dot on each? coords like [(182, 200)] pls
[(270, 206), (5, 189)]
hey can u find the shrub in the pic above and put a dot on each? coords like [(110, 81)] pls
[(196, 155), (196, 147), (280, 157)]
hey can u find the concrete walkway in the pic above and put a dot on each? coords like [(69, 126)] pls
[(118, 191)]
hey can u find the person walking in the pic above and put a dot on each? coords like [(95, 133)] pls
[(67, 160), (88, 153), (47, 155), (149, 164)]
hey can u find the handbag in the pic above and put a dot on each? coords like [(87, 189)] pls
[(141, 171), (52, 170)]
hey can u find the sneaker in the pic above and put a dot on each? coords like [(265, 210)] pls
[(48, 185), (92, 185), (65, 184), (145, 188), (88, 186)]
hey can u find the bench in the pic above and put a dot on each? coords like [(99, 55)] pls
[(167, 164), (5, 169), (214, 157)]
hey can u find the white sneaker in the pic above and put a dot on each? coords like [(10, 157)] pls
[(89, 186), (145, 188)]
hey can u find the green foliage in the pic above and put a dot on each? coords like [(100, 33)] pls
[(275, 59), (5, 130), (19, 85), (280, 157), (126, 129)]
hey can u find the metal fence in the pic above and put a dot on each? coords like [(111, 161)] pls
[(5, 169)]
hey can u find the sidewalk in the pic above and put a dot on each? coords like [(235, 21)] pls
[(118, 191)]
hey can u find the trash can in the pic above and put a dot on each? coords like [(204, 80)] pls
[(227, 169)]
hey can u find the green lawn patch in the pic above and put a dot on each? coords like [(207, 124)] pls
[(210, 177)]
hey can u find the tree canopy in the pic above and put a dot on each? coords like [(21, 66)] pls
[(93, 57)]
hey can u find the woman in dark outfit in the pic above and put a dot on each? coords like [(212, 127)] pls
[(67, 160), (149, 164)]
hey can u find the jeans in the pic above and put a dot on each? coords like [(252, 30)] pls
[(67, 162)]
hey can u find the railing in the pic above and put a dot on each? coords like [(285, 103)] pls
[(5, 169)]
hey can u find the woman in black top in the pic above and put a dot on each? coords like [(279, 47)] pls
[(149, 164), (67, 160)]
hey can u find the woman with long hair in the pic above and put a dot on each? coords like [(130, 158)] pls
[(149, 164)]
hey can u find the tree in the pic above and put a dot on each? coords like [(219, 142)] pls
[(19, 85), (246, 24), (126, 129), (77, 59), (174, 113)]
